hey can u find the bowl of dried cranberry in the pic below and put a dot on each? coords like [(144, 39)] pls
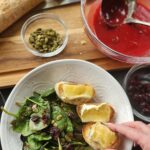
[(137, 87)]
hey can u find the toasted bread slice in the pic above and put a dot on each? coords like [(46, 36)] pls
[(73, 93), (100, 137), (93, 112)]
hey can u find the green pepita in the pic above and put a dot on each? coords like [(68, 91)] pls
[(45, 40), (59, 117)]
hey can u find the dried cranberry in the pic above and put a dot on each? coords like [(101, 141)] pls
[(55, 132), (45, 118), (139, 92), (23, 139), (72, 116), (35, 118)]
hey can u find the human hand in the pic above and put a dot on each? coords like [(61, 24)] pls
[(136, 131)]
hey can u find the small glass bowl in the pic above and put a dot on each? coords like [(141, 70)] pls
[(44, 21), (137, 78)]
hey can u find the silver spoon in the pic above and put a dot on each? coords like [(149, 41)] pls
[(116, 12)]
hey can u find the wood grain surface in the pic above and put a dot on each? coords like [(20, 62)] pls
[(16, 61)]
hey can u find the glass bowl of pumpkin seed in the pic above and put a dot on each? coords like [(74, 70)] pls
[(44, 35)]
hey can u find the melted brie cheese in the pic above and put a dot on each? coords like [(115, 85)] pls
[(96, 112), (102, 135), (77, 90)]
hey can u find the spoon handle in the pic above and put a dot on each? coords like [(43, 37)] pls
[(132, 20)]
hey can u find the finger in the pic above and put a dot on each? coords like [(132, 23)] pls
[(138, 125), (112, 126), (127, 131)]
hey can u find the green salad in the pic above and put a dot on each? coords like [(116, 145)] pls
[(47, 123)]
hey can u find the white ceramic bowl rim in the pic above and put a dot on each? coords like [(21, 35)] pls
[(41, 16)]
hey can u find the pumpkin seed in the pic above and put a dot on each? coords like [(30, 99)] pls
[(45, 40)]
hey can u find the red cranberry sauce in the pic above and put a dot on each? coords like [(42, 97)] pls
[(138, 90)]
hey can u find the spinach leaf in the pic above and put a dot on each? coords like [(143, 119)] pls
[(36, 94), (42, 122), (36, 141), (56, 112), (48, 92), (25, 110), (25, 122), (21, 123), (37, 100), (21, 127), (68, 109), (63, 122), (69, 126), (41, 118)]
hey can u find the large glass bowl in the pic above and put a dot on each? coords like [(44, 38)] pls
[(85, 10)]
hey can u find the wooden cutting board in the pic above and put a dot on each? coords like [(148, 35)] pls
[(16, 61)]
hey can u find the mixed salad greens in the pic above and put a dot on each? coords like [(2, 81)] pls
[(47, 123)]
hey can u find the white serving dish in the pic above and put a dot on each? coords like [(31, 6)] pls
[(44, 76)]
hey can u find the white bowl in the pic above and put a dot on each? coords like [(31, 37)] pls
[(107, 90)]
